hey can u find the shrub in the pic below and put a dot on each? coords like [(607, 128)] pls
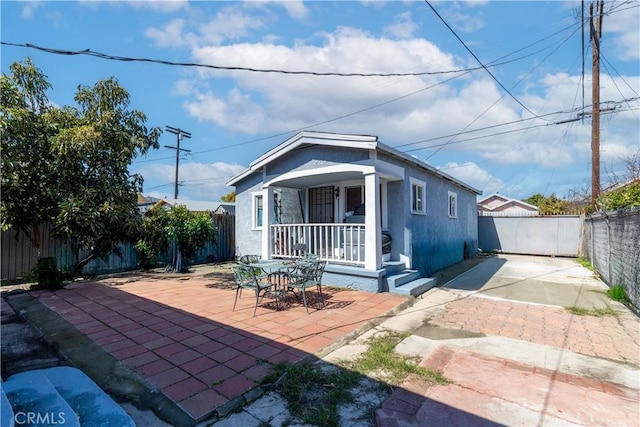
[(46, 273)]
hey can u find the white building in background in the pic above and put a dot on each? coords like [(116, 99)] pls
[(499, 205)]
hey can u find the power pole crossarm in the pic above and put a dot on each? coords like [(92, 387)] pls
[(180, 134)]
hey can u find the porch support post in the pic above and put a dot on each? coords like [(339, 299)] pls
[(373, 231), (267, 220)]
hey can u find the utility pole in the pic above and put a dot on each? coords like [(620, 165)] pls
[(595, 30), (179, 135)]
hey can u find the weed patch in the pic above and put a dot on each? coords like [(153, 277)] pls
[(382, 362), (314, 395), (597, 312), (585, 263), (618, 293)]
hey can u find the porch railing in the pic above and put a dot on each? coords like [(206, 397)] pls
[(329, 242)]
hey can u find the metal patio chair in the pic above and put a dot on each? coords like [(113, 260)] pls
[(246, 278), (307, 274)]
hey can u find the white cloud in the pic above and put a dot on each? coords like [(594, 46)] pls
[(206, 106), (315, 99), (162, 6), (472, 174), (28, 8), (426, 107), (230, 23), (403, 26), (462, 20), (165, 6), (171, 35), (295, 8), (623, 26)]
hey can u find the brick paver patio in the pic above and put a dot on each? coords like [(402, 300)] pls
[(614, 337), (183, 337)]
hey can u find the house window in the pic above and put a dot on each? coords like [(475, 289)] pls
[(354, 198), (417, 196), (453, 205), (257, 210)]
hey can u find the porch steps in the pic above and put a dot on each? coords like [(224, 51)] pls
[(409, 282)]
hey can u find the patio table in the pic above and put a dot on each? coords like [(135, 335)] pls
[(277, 272)]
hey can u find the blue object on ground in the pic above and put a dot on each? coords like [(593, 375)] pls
[(6, 412), (62, 396), (36, 402), (93, 406)]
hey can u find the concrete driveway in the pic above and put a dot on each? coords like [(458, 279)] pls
[(534, 279), (515, 354)]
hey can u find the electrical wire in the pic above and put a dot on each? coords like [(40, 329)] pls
[(516, 84), (478, 59), (494, 63), (607, 63), (89, 52), (613, 80)]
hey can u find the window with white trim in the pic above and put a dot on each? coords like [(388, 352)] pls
[(417, 196), (453, 205), (257, 210)]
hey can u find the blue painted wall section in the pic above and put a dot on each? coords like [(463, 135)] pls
[(437, 240)]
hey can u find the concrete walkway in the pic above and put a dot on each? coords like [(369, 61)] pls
[(514, 355)]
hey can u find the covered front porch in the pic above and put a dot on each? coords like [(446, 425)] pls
[(338, 213)]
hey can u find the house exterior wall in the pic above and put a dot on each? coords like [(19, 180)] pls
[(492, 202), (397, 204), (514, 207), (248, 240), (432, 241), (436, 240), (312, 157)]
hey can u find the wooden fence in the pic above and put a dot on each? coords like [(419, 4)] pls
[(18, 254)]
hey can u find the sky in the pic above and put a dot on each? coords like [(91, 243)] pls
[(490, 92)]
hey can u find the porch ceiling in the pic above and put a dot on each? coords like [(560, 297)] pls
[(306, 181)]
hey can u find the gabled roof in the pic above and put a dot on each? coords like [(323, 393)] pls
[(504, 201), (493, 196), (228, 208), (366, 142)]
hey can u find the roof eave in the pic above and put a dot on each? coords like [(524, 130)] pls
[(426, 166)]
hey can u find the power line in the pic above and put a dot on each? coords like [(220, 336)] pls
[(605, 111), (463, 72), (498, 100), (478, 59), (89, 52), (609, 65)]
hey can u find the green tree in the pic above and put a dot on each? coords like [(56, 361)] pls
[(548, 205), (70, 166), (161, 228), (229, 198), (623, 197), (29, 188)]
